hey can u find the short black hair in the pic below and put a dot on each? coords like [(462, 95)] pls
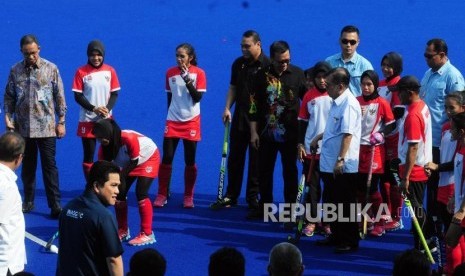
[(394, 60), (350, 29), (279, 47), (99, 172), (12, 145), (439, 45), (253, 34), (411, 262), (338, 75), (226, 261), (28, 39), (147, 261)]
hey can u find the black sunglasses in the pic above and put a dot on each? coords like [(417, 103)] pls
[(348, 41)]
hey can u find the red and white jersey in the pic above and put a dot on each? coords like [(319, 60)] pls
[(415, 127), (134, 146), (182, 107), (376, 114), (314, 109), (448, 149), (459, 177), (96, 84), (391, 140), (391, 96)]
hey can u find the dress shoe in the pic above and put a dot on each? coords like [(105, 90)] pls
[(253, 204), (329, 241), (28, 206), (55, 212), (341, 249)]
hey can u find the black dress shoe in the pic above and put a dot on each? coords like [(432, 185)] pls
[(329, 241), (55, 212), (341, 249), (28, 206)]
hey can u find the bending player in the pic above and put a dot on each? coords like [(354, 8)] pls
[(139, 159)]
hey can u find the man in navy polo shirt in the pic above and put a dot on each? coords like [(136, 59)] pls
[(89, 242)]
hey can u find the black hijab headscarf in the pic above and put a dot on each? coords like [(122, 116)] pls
[(375, 79), (108, 129)]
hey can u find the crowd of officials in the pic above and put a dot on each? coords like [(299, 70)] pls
[(338, 116)]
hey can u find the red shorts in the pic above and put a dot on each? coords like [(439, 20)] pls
[(365, 158), (85, 129), (189, 130), (149, 168), (445, 193)]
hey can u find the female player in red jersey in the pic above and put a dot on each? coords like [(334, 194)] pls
[(185, 85), (95, 88), (139, 158), (391, 66), (377, 120)]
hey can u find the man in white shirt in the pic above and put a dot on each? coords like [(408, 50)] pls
[(339, 158), (12, 226)]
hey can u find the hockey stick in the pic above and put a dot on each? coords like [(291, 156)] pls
[(219, 200), (301, 198), (50, 248), (367, 194), (395, 173)]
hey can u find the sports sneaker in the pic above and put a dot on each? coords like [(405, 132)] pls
[(124, 234), (394, 225), (223, 203), (188, 202), (432, 245), (378, 231), (143, 239), (160, 201), (309, 230)]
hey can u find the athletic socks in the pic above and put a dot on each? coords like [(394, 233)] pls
[(164, 176), (146, 214), (121, 210), (190, 176), (86, 169)]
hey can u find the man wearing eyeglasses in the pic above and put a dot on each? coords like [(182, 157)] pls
[(350, 59), (441, 79), (273, 114), (35, 107)]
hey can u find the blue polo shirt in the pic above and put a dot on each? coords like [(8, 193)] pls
[(88, 235), (356, 66), (345, 117), (434, 88)]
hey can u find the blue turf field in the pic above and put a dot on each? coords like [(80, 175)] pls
[(140, 38)]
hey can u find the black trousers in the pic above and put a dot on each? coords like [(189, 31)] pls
[(416, 194), (47, 149), (342, 190), (239, 142), (432, 192), (268, 153)]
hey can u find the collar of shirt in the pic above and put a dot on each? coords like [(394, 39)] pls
[(35, 66), (353, 59), (8, 172), (442, 69), (341, 97)]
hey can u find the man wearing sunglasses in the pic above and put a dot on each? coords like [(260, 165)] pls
[(350, 59), (441, 79), (273, 122)]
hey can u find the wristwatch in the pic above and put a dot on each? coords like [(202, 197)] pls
[(339, 159)]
